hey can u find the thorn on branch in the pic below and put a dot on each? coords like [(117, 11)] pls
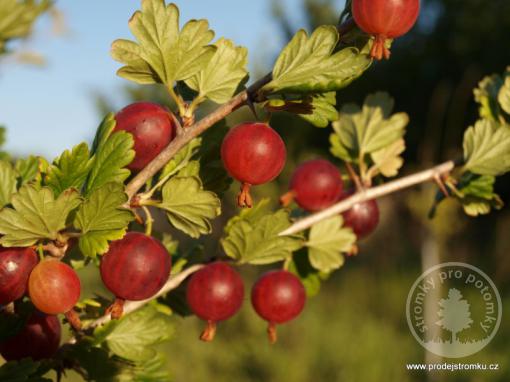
[(438, 179)]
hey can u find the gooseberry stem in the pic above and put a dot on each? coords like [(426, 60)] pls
[(209, 332)]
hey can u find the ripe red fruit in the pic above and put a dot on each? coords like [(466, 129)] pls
[(135, 268), (215, 293), (278, 297), (385, 19), (39, 339), (152, 128), (315, 185), (54, 287), (15, 267), (363, 217), (253, 153)]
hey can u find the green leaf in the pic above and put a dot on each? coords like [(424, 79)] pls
[(181, 159), (367, 130), (476, 194), (387, 160), (256, 240), (113, 154), (7, 183), (327, 241), (28, 168), (162, 53), (309, 64), (251, 215), (212, 172), (152, 370), (487, 148), (309, 276), (487, 94), (17, 18), (36, 215), (189, 208), (134, 336), (70, 170), (24, 370), (504, 94), (96, 362), (221, 77), (324, 110), (103, 132), (101, 219)]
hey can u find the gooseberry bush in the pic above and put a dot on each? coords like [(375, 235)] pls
[(97, 205)]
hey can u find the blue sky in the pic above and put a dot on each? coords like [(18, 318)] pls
[(47, 110)]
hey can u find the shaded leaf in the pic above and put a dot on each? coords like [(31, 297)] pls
[(7, 182), (476, 194), (24, 370), (28, 168), (324, 110)]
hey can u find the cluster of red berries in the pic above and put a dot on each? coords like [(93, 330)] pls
[(216, 292), (135, 268)]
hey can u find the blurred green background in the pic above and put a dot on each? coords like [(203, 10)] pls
[(355, 329)]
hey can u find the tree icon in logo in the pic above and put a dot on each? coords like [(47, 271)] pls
[(454, 313)]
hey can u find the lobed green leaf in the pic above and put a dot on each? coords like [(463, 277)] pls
[(308, 64), (36, 215), (101, 218), (367, 130), (256, 240), (487, 148), (134, 336), (221, 77), (326, 242), (163, 53), (188, 206), (70, 170)]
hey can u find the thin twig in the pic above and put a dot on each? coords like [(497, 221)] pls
[(130, 306), (354, 177), (367, 194)]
